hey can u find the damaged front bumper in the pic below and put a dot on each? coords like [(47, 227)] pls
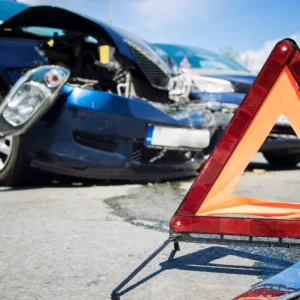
[(281, 138), (93, 134)]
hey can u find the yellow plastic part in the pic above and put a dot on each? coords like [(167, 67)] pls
[(104, 54), (50, 43)]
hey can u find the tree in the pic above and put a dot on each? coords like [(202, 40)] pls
[(228, 51), (244, 61)]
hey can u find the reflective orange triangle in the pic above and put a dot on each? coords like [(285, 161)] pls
[(282, 99), (210, 203)]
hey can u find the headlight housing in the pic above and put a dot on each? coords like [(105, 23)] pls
[(213, 85), (179, 87), (30, 97)]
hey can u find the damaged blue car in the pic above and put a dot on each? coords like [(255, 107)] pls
[(84, 99), (221, 86)]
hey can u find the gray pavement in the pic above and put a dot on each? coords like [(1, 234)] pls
[(79, 242)]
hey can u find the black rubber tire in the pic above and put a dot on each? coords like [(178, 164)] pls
[(282, 159), (17, 172), (214, 141)]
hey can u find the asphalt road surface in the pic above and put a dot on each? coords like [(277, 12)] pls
[(78, 241)]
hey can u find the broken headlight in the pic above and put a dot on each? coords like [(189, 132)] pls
[(213, 85), (30, 97)]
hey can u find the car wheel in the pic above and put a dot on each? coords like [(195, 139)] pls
[(282, 159), (14, 166), (214, 141)]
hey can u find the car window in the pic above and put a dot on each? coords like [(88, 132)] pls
[(191, 57), (11, 8), (44, 31)]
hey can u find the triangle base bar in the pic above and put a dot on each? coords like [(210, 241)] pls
[(236, 226), (238, 240)]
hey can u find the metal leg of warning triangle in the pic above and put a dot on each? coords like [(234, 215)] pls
[(173, 238), (176, 245)]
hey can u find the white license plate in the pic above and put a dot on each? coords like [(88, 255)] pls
[(177, 137), (283, 121)]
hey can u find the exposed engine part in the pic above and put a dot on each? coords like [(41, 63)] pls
[(160, 155), (180, 87), (83, 82), (123, 88), (95, 63)]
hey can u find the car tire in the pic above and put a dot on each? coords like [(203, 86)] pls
[(282, 159), (16, 170), (214, 141)]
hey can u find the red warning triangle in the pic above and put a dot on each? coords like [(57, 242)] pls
[(210, 205)]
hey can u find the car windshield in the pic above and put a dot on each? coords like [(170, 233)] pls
[(192, 57)]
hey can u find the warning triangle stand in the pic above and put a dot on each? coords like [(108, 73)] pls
[(210, 212)]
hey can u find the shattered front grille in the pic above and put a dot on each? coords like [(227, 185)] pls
[(142, 154), (155, 74)]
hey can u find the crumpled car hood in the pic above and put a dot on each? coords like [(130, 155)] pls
[(55, 17), (230, 75)]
